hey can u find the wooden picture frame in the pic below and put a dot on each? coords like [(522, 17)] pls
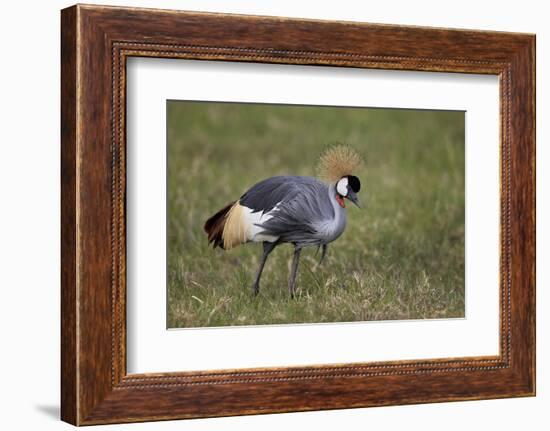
[(95, 43)]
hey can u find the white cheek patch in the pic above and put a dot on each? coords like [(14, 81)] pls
[(342, 186)]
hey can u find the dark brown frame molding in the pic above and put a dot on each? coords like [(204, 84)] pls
[(95, 43)]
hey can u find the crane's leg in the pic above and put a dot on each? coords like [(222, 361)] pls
[(293, 270), (268, 248), (323, 253)]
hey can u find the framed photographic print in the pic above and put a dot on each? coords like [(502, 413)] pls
[(265, 215)]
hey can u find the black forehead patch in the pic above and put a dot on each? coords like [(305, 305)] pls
[(354, 183)]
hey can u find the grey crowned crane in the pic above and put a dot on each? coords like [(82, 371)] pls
[(303, 211)]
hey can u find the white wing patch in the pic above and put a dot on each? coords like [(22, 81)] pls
[(255, 233)]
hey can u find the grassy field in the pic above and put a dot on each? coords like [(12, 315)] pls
[(401, 256)]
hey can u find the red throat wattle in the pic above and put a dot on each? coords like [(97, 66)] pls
[(340, 200)]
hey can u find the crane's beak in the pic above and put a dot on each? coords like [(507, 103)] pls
[(352, 196)]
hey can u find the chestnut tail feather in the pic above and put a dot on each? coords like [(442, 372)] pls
[(215, 224)]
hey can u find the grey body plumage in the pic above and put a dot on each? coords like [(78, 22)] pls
[(303, 210), (299, 210)]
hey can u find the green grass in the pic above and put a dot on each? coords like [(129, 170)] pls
[(401, 256)]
